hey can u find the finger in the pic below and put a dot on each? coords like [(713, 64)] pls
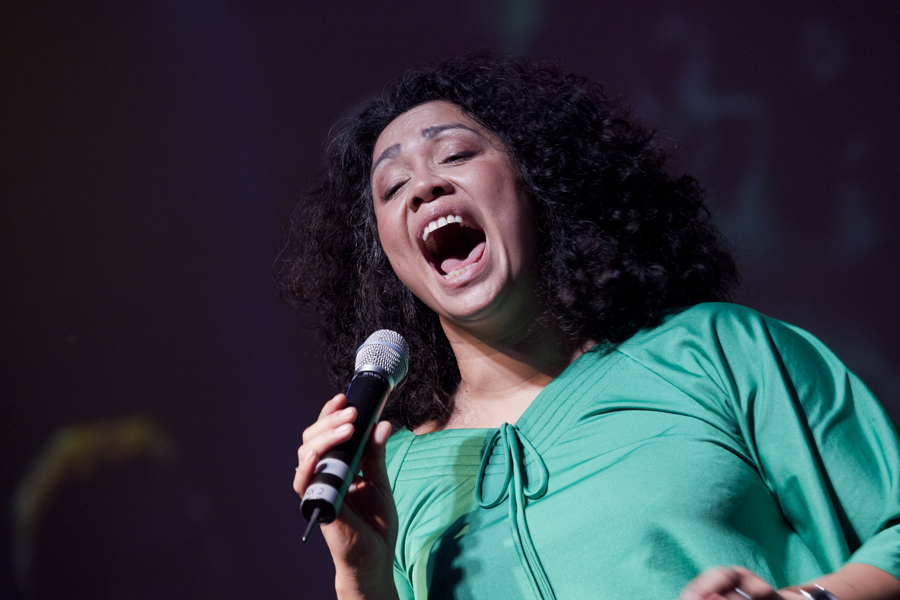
[(373, 461), (304, 471), (381, 434), (710, 584), (329, 422), (746, 593), (734, 583), (369, 502), (326, 439), (336, 403), (753, 586), (309, 452)]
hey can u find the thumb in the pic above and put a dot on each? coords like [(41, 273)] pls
[(373, 460)]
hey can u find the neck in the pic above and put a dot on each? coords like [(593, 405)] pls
[(501, 375)]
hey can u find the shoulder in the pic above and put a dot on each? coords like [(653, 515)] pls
[(727, 342), (700, 328), (721, 326), (714, 317)]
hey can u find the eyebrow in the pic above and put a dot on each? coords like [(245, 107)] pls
[(389, 152), (430, 132), (427, 133)]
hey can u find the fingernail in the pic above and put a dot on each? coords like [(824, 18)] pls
[(347, 411), (344, 429), (309, 456)]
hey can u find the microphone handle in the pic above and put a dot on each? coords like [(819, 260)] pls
[(336, 468)]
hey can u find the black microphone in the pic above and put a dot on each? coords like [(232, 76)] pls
[(381, 363)]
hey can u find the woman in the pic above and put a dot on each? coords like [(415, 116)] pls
[(583, 416)]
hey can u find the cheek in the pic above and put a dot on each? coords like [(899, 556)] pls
[(391, 240), (383, 226), (522, 213)]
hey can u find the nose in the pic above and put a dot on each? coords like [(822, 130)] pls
[(427, 187)]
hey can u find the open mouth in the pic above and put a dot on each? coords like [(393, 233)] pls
[(453, 244)]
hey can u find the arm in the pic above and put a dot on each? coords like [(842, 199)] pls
[(854, 581), (363, 536), (858, 581), (826, 450)]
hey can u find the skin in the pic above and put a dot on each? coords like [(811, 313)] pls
[(443, 162), (362, 538), (429, 162), (854, 581), (504, 354)]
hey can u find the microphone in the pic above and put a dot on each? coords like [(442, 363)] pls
[(381, 363)]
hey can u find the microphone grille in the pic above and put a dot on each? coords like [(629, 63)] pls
[(386, 350)]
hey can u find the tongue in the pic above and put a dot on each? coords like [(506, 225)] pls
[(448, 265)]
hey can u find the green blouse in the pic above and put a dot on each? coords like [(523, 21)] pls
[(721, 437)]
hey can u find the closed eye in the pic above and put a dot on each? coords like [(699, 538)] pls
[(459, 157), (392, 190)]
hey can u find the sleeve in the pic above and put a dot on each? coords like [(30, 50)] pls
[(823, 444), (404, 589)]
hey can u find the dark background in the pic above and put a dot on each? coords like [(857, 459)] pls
[(154, 386)]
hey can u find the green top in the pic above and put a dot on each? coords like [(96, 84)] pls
[(721, 437)]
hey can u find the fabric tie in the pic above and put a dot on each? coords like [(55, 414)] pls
[(515, 446)]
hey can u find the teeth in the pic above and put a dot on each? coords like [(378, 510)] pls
[(438, 223), (457, 273)]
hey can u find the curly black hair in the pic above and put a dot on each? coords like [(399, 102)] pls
[(621, 240)]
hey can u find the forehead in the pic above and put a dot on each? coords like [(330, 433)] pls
[(416, 122)]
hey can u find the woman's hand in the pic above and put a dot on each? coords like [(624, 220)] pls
[(734, 583), (362, 537), (853, 581)]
